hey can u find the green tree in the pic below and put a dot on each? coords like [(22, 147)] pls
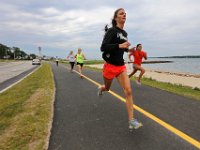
[(33, 56), (3, 51), (23, 54), (17, 52)]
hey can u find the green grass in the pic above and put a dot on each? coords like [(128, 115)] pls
[(25, 111), (88, 62), (174, 88), (177, 89)]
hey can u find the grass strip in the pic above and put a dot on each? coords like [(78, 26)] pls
[(177, 89), (26, 111)]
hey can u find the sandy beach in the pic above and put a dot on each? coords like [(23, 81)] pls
[(189, 80)]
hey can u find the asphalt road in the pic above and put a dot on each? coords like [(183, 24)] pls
[(11, 69), (83, 121), (11, 72)]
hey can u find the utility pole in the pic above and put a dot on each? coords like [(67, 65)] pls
[(40, 54)]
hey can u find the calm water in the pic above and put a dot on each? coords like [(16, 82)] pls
[(181, 65)]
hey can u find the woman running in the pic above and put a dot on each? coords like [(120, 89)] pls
[(71, 59), (114, 44), (80, 61), (57, 60), (138, 54)]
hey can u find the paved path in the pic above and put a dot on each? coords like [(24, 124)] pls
[(83, 121)]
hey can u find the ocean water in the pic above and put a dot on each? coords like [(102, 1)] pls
[(179, 65)]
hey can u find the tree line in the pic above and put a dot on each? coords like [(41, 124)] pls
[(14, 53)]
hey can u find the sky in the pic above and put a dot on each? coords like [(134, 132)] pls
[(163, 27)]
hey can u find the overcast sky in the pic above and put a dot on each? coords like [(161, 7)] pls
[(164, 27)]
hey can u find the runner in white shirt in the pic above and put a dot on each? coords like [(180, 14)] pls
[(71, 59), (57, 60)]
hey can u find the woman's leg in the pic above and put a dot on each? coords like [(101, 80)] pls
[(105, 87), (107, 84), (73, 65), (79, 68), (124, 81), (142, 71), (134, 71)]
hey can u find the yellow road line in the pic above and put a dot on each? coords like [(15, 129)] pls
[(149, 115)]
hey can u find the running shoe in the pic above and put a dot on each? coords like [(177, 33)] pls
[(134, 124), (99, 92), (138, 82)]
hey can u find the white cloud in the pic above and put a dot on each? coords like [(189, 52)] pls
[(70, 25)]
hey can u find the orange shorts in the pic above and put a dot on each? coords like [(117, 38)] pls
[(111, 71)]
